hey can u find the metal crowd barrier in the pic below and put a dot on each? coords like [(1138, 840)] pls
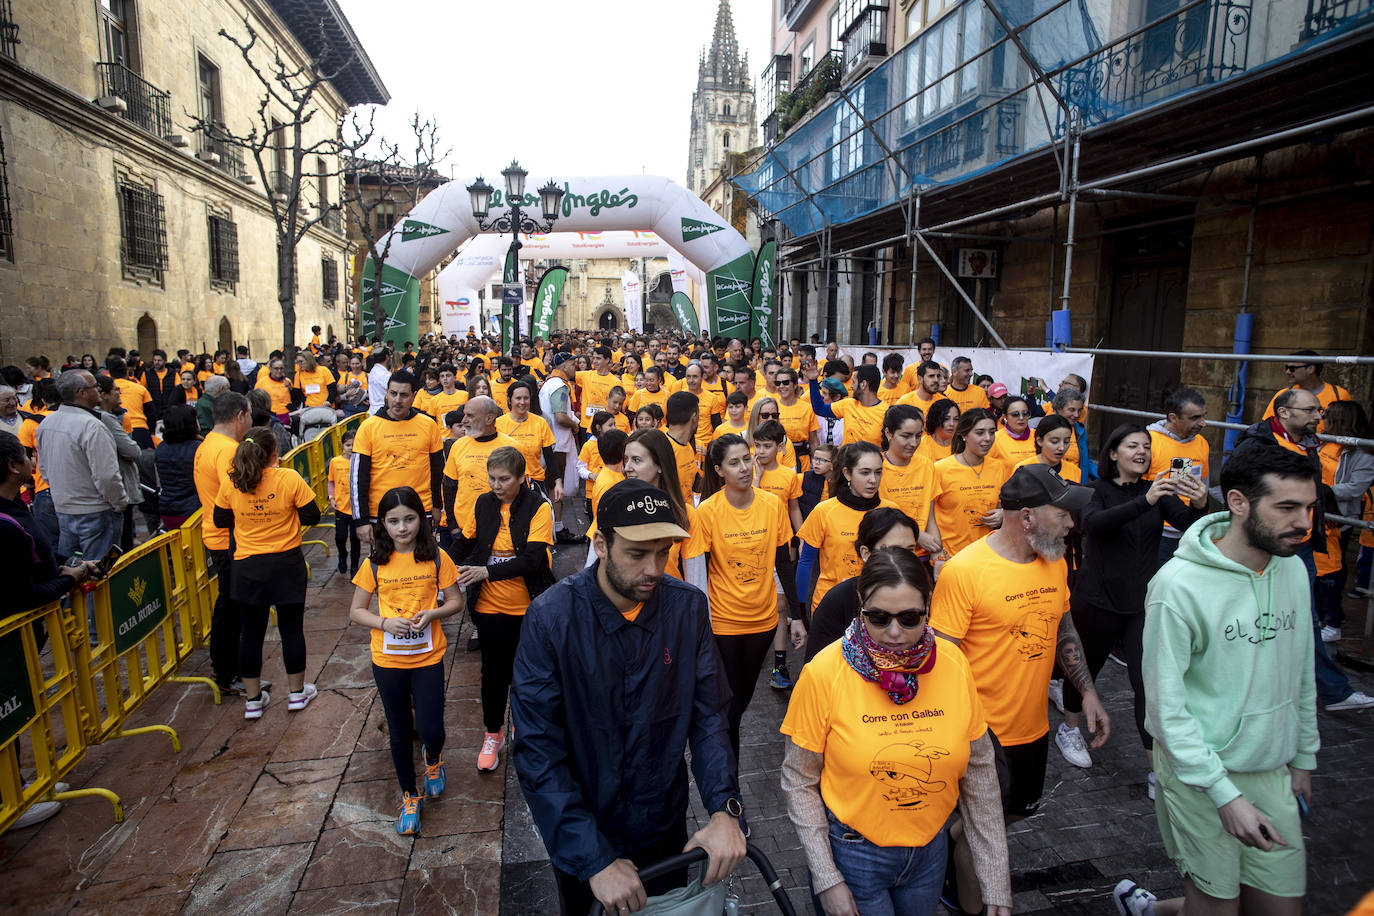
[(72, 672)]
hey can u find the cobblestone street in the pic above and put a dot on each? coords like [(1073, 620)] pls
[(294, 813)]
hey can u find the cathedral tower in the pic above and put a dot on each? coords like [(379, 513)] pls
[(723, 116)]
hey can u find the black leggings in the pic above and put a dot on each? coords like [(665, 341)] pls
[(225, 624), (403, 689), (345, 537), (290, 624), (742, 659), (1099, 630), (499, 635)]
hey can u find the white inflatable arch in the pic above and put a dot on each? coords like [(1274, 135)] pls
[(442, 222), (482, 258)]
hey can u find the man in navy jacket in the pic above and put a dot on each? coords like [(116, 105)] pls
[(616, 675)]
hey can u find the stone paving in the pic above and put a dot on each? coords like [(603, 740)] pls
[(294, 813)]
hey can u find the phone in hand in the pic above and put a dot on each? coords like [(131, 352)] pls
[(107, 562), (1181, 467), (1303, 809)]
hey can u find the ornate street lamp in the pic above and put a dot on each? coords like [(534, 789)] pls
[(515, 220)]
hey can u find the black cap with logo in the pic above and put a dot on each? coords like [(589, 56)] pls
[(637, 511), (1035, 485)]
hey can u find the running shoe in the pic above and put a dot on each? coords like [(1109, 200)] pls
[(492, 742), (295, 702), (235, 687), (408, 821), (1356, 700), (1331, 634), (1357, 592), (474, 643), (252, 709), (436, 777), (780, 679), (1070, 743), (1057, 693), (1133, 900), (1150, 785), (36, 813), (566, 536)]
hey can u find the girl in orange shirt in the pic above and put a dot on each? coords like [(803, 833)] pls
[(265, 507), (941, 422), (345, 534), (968, 485), (415, 585), (827, 536)]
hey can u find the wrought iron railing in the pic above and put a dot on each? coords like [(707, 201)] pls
[(214, 139), (1199, 46), (9, 30), (810, 91), (332, 219), (278, 183), (145, 105), (1327, 15), (865, 38)]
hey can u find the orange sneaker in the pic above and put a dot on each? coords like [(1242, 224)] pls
[(492, 742)]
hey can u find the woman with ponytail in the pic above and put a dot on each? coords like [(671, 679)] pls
[(264, 507), (827, 536), (887, 737)]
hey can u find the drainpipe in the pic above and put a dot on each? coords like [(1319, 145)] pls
[(1245, 323)]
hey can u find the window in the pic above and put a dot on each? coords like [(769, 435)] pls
[(808, 54), (208, 85), (9, 30), (322, 182), (224, 252), (384, 217), (116, 21), (279, 177), (725, 109), (726, 142), (6, 227), (142, 231), (329, 272)]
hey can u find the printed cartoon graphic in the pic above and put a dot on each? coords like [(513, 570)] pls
[(1032, 635), (905, 770), (746, 568)]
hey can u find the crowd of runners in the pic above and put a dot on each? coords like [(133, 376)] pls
[(950, 559)]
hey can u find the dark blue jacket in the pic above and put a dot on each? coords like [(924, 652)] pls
[(176, 478), (602, 711)]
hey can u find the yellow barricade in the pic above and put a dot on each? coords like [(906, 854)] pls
[(41, 735), (204, 585)]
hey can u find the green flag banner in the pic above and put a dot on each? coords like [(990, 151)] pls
[(546, 300), (400, 304), (727, 297), (510, 274), (762, 320), (686, 313)]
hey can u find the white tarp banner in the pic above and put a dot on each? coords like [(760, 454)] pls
[(1024, 372), (634, 302)]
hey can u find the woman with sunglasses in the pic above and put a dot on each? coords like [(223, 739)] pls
[(1014, 442), (887, 737), (797, 417)]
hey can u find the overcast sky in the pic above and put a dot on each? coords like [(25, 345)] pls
[(601, 88)]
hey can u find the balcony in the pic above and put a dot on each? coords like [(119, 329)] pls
[(865, 41), (1328, 15), (217, 151), (332, 219), (9, 30), (811, 90), (775, 83), (144, 104), (278, 184)]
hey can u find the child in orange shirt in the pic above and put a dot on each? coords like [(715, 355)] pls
[(345, 535)]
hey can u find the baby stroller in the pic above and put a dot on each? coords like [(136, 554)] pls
[(696, 900)]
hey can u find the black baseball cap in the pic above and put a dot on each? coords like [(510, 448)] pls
[(638, 511), (1035, 485)]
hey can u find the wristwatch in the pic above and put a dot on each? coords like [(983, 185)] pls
[(732, 807)]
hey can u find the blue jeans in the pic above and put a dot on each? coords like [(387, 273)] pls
[(889, 880), (1332, 684), (46, 517), (92, 533)]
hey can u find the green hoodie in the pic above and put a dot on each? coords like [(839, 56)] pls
[(1228, 664)]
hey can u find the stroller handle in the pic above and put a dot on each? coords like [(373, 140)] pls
[(697, 854)]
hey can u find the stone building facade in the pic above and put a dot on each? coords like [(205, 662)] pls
[(121, 225), (723, 115)]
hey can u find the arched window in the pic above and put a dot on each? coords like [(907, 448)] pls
[(725, 106), (727, 140), (147, 337)]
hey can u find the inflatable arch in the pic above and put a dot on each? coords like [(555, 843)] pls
[(443, 222), (482, 258)]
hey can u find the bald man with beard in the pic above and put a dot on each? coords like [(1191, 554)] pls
[(465, 471)]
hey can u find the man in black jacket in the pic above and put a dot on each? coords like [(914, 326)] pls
[(616, 674), (27, 563)]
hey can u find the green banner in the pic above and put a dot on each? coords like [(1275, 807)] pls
[(414, 229), (762, 320), (686, 313), (728, 297), (16, 693), (546, 301), (400, 304), (138, 601), (695, 228), (511, 274)]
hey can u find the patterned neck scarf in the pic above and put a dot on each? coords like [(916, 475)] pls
[(895, 672)]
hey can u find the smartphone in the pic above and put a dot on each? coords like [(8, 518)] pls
[(1181, 467), (107, 562), (1303, 809)]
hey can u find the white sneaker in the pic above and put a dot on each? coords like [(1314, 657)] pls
[(1133, 900), (1150, 785), (1331, 634), (37, 813), (1356, 700), (295, 702), (1070, 742), (252, 709), (1057, 694)]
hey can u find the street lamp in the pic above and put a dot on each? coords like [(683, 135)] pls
[(515, 220)]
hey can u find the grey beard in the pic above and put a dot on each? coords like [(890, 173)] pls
[(1049, 548)]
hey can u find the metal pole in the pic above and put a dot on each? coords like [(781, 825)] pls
[(1219, 424), (1075, 130), (915, 251), (1232, 357), (960, 290)]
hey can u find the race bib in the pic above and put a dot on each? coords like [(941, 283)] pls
[(500, 558), (312, 389), (593, 408), (408, 645)]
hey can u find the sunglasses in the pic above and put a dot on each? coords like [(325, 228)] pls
[(909, 620), (768, 416), (1019, 415), (1295, 368)]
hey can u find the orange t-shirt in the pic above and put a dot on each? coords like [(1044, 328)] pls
[(590, 455), (917, 398), (592, 390), (891, 772), (265, 521), (314, 385), (1007, 616), (404, 588), (742, 544), (400, 451), (440, 405), (890, 396), (280, 392), (799, 420), (28, 437), (1070, 472), (633, 613), (686, 466), (860, 423), (782, 482), (214, 457), (962, 496), (339, 477), (932, 450), (498, 391), (510, 596), (909, 488), (971, 397), (605, 479), (531, 436), (644, 397), (467, 466), (831, 528), (134, 398), (1009, 451)]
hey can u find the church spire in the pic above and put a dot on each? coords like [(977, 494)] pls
[(723, 63)]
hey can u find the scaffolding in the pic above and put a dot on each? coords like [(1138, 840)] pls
[(904, 154)]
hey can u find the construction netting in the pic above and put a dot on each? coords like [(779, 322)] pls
[(963, 96)]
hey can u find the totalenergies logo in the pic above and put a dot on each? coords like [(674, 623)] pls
[(463, 302), (536, 237), (589, 236), (640, 234)]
